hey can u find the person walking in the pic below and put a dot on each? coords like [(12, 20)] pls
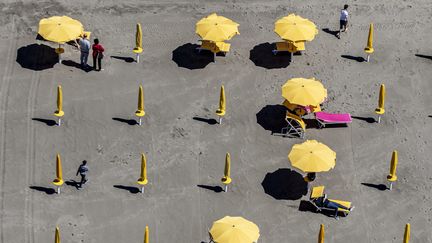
[(84, 46), (82, 171), (343, 27), (97, 55)]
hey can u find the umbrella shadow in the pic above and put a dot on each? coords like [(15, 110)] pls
[(209, 121), (358, 59), (47, 190), (211, 188), (424, 56), (262, 56), (187, 56), (131, 189), (285, 184), (272, 118), (74, 64), (37, 57), (126, 59), (380, 187), (130, 122), (366, 119), (48, 122), (331, 32)]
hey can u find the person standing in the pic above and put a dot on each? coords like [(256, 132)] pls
[(82, 171), (84, 45), (343, 27), (97, 55)]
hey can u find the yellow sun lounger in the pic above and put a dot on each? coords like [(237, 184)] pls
[(289, 47), (214, 47), (296, 126), (319, 200)]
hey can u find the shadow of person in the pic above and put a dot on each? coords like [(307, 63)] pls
[(380, 187), (272, 118), (262, 56), (366, 119), (48, 122), (187, 56), (130, 122), (126, 59), (331, 32), (37, 57), (73, 183), (285, 184), (209, 121), (131, 189), (211, 188), (47, 190), (358, 59), (424, 56), (74, 64)]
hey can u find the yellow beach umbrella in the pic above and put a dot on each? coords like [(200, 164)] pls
[(295, 28), (234, 230), (59, 112), (369, 47), (140, 111), (146, 235), (138, 39), (381, 101), (222, 104), (301, 91), (392, 177), (321, 234), (216, 28), (60, 29), (58, 181), (407, 233), (312, 156), (143, 176), (227, 172), (57, 235)]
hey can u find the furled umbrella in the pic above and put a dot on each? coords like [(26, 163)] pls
[(142, 180), (138, 42), (234, 230), (216, 28), (312, 156), (304, 92), (295, 28)]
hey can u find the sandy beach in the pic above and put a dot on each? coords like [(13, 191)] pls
[(186, 150)]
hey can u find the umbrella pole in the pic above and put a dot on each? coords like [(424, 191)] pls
[(226, 188), (58, 190), (220, 120), (137, 58), (139, 121), (367, 58), (60, 60), (391, 186), (142, 189), (379, 118), (59, 122)]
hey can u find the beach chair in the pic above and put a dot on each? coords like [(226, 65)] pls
[(296, 126), (222, 47), (291, 47), (317, 198), (207, 45), (325, 118), (295, 109)]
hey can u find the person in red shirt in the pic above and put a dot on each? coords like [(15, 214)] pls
[(97, 54)]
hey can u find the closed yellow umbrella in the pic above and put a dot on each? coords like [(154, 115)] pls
[(295, 28), (60, 29), (57, 235), (407, 233), (146, 235), (222, 104), (140, 111), (312, 156), (226, 180), (321, 234), (138, 42), (392, 177), (58, 181), (381, 102), (234, 230), (216, 28), (143, 176), (59, 112), (304, 92), (369, 47)]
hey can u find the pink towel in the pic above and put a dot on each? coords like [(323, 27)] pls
[(333, 118)]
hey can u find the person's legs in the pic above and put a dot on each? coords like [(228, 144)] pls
[(100, 63), (94, 62), (85, 59), (82, 180), (333, 205), (82, 56)]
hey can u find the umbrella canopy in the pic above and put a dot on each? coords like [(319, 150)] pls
[(234, 230), (304, 92), (295, 28), (312, 156), (216, 28), (138, 39), (142, 180), (60, 29)]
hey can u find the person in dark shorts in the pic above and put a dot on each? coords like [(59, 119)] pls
[(343, 20), (82, 171)]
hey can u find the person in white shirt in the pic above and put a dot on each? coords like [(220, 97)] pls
[(343, 20), (84, 46)]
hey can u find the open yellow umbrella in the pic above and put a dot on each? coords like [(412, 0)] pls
[(234, 230), (321, 235), (60, 29), (143, 176), (312, 156), (301, 91), (57, 235), (216, 28), (407, 233), (295, 28)]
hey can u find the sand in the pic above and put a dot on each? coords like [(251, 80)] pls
[(184, 152)]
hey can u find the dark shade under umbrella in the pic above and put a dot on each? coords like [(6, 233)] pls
[(285, 184), (37, 57), (272, 118), (187, 56)]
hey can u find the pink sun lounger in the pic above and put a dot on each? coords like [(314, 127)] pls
[(325, 118)]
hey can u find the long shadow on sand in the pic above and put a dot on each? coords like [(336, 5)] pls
[(48, 122), (366, 119), (47, 190), (331, 32), (380, 187), (187, 56), (74, 64), (126, 59), (131, 189), (272, 118), (211, 188), (37, 57), (285, 184), (73, 183), (209, 121), (358, 59), (262, 56), (424, 56), (130, 122)]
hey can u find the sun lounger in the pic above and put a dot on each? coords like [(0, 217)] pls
[(214, 47), (325, 118), (223, 47), (289, 47), (296, 126), (318, 197)]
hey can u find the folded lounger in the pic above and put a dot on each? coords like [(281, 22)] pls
[(296, 126), (325, 118)]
